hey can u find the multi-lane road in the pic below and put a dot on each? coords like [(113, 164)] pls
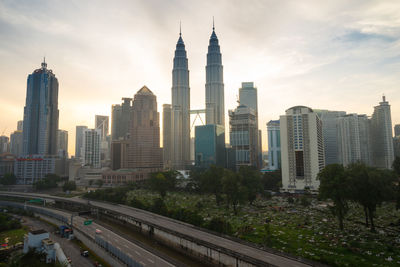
[(181, 229)]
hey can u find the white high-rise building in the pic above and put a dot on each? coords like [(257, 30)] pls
[(4, 144), (329, 120), (302, 149), (274, 145), (382, 136), (180, 113), (91, 148), (16, 139), (62, 143), (353, 139), (79, 140)]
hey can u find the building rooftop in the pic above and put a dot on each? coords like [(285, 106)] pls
[(38, 232), (48, 241), (145, 91)]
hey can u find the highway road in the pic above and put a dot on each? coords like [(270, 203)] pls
[(185, 229), (135, 252)]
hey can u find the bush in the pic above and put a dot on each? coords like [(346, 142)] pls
[(69, 186), (219, 225), (305, 201), (159, 207), (8, 179), (49, 181)]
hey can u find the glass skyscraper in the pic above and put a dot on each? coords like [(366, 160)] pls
[(210, 145), (41, 113)]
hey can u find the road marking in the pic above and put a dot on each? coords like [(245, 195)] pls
[(142, 263), (126, 245), (150, 260), (138, 253)]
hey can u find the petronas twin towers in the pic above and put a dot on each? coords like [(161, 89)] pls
[(179, 146)]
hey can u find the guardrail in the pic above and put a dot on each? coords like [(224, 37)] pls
[(98, 240), (116, 252)]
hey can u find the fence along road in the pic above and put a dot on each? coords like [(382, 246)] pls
[(121, 248), (186, 230)]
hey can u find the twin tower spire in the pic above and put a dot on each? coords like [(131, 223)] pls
[(180, 108)]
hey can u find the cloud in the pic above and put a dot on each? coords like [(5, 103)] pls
[(296, 52)]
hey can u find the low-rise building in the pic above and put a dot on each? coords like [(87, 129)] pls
[(123, 176), (30, 169), (6, 163)]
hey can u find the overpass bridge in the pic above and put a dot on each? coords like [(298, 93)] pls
[(193, 241)]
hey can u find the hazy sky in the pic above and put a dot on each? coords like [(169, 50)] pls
[(341, 55)]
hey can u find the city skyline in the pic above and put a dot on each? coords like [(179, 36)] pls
[(338, 57)]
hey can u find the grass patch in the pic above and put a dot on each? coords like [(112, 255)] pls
[(310, 232), (13, 236)]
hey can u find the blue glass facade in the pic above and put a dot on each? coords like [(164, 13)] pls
[(41, 113), (209, 145)]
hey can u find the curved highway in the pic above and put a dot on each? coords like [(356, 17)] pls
[(183, 229)]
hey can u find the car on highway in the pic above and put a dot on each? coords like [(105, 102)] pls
[(98, 231), (85, 253)]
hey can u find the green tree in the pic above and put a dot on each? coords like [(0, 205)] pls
[(99, 182), (8, 179), (211, 182), (370, 187), (396, 165), (219, 225), (172, 178), (159, 183), (49, 181), (69, 186), (396, 168), (334, 185), (232, 187), (272, 180), (159, 207), (251, 180)]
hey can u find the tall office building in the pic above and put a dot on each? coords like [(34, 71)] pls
[(215, 107), (20, 125), (79, 140), (144, 151), (244, 136), (209, 145), (274, 145), (329, 120), (4, 144), (62, 143), (16, 143), (381, 136), (302, 149), (102, 123), (180, 113), (41, 113), (397, 130), (120, 119), (91, 148), (248, 98), (353, 139), (167, 138)]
